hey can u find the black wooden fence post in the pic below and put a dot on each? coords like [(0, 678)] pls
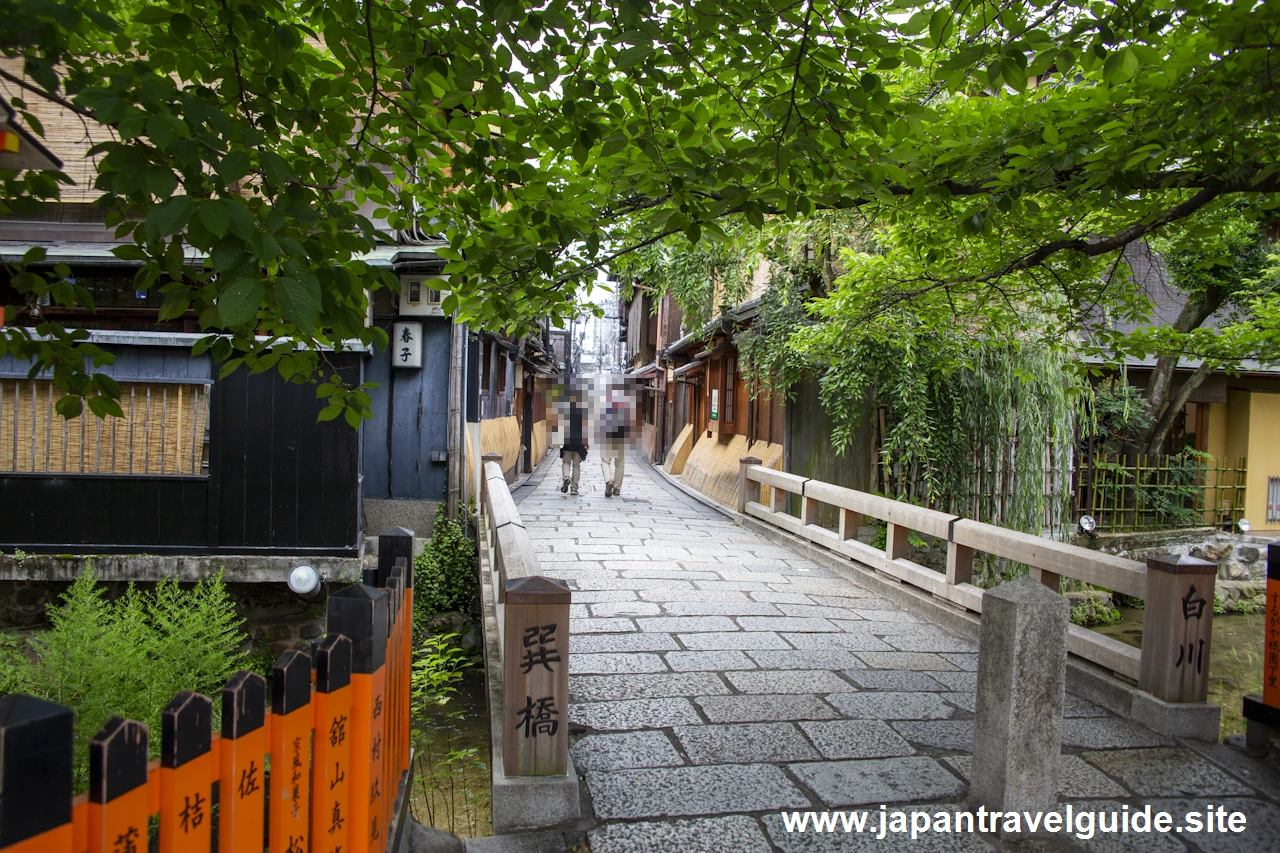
[(36, 744), (119, 801), (392, 544)]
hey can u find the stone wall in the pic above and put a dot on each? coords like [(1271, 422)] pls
[(275, 618), (1239, 557)]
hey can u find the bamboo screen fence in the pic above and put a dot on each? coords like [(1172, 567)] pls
[(164, 431)]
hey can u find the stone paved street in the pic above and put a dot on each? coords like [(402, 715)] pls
[(717, 679)]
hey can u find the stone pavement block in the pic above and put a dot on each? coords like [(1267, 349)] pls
[(918, 643), (716, 661), (879, 780), (571, 547), (1109, 733), (601, 626), (721, 608), (1167, 772), (840, 841), (940, 734), (725, 574), (888, 614), (893, 679), (733, 640), (793, 681), (579, 611), (731, 586), (601, 688), (957, 681), (1076, 779), (966, 662), (920, 661), (775, 597), (680, 791), (773, 742), (624, 751), (848, 642), (583, 664), (884, 705), (833, 659), (661, 594), (622, 608), (780, 706), (633, 642), (737, 833), (854, 596), (964, 701), (856, 739), (821, 586), (1262, 826), (867, 623), (623, 562), (668, 586), (791, 624), (682, 624), (601, 596), (815, 610), (677, 574)]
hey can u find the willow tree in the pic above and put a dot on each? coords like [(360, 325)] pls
[(545, 140)]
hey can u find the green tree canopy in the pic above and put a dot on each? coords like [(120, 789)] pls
[(545, 140)]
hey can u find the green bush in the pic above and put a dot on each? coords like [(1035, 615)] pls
[(444, 574), (127, 657)]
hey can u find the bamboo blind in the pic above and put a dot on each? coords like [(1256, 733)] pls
[(164, 431)]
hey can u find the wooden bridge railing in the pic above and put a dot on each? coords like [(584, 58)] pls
[(533, 631), (1173, 662), (325, 768)]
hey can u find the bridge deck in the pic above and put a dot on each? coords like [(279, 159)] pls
[(718, 679)]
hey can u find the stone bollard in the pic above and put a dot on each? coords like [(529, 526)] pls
[(748, 490), (1177, 628), (535, 727), (1022, 669)]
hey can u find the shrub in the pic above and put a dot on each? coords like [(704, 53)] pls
[(128, 657), (444, 574)]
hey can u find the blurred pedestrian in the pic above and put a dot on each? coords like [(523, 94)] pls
[(575, 446)]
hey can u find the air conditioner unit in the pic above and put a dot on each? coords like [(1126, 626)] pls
[(422, 295)]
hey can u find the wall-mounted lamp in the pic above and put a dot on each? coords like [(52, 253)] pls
[(305, 581)]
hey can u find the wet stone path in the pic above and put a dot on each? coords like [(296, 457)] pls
[(717, 679)]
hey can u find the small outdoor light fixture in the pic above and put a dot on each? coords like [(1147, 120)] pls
[(305, 580), (1088, 525), (1244, 525)]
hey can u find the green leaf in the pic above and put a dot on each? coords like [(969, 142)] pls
[(277, 168), (215, 216), (106, 385), (234, 166), (69, 406), (1050, 134), (129, 252), (299, 302), (169, 218), (240, 302), (242, 222), (103, 406)]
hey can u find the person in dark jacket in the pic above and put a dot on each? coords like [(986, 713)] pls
[(575, 446)]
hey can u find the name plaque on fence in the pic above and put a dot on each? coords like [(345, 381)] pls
[(536, 677)]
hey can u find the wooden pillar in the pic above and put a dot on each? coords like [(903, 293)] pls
[(809, 510), (535, 725), (36, 743), (1262, 711), (1053, 580), (1177, 628), (896, 543), (186, 773), (331, 748), (119, 797), (748, 490), (392, 545), (959, 563), (291, 751), (850, 521), (360, 613), (242, 768), (777, 499)]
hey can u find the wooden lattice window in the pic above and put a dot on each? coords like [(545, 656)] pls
[(164, 431)]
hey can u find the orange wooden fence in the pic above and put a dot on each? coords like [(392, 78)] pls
[(322, 770)]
